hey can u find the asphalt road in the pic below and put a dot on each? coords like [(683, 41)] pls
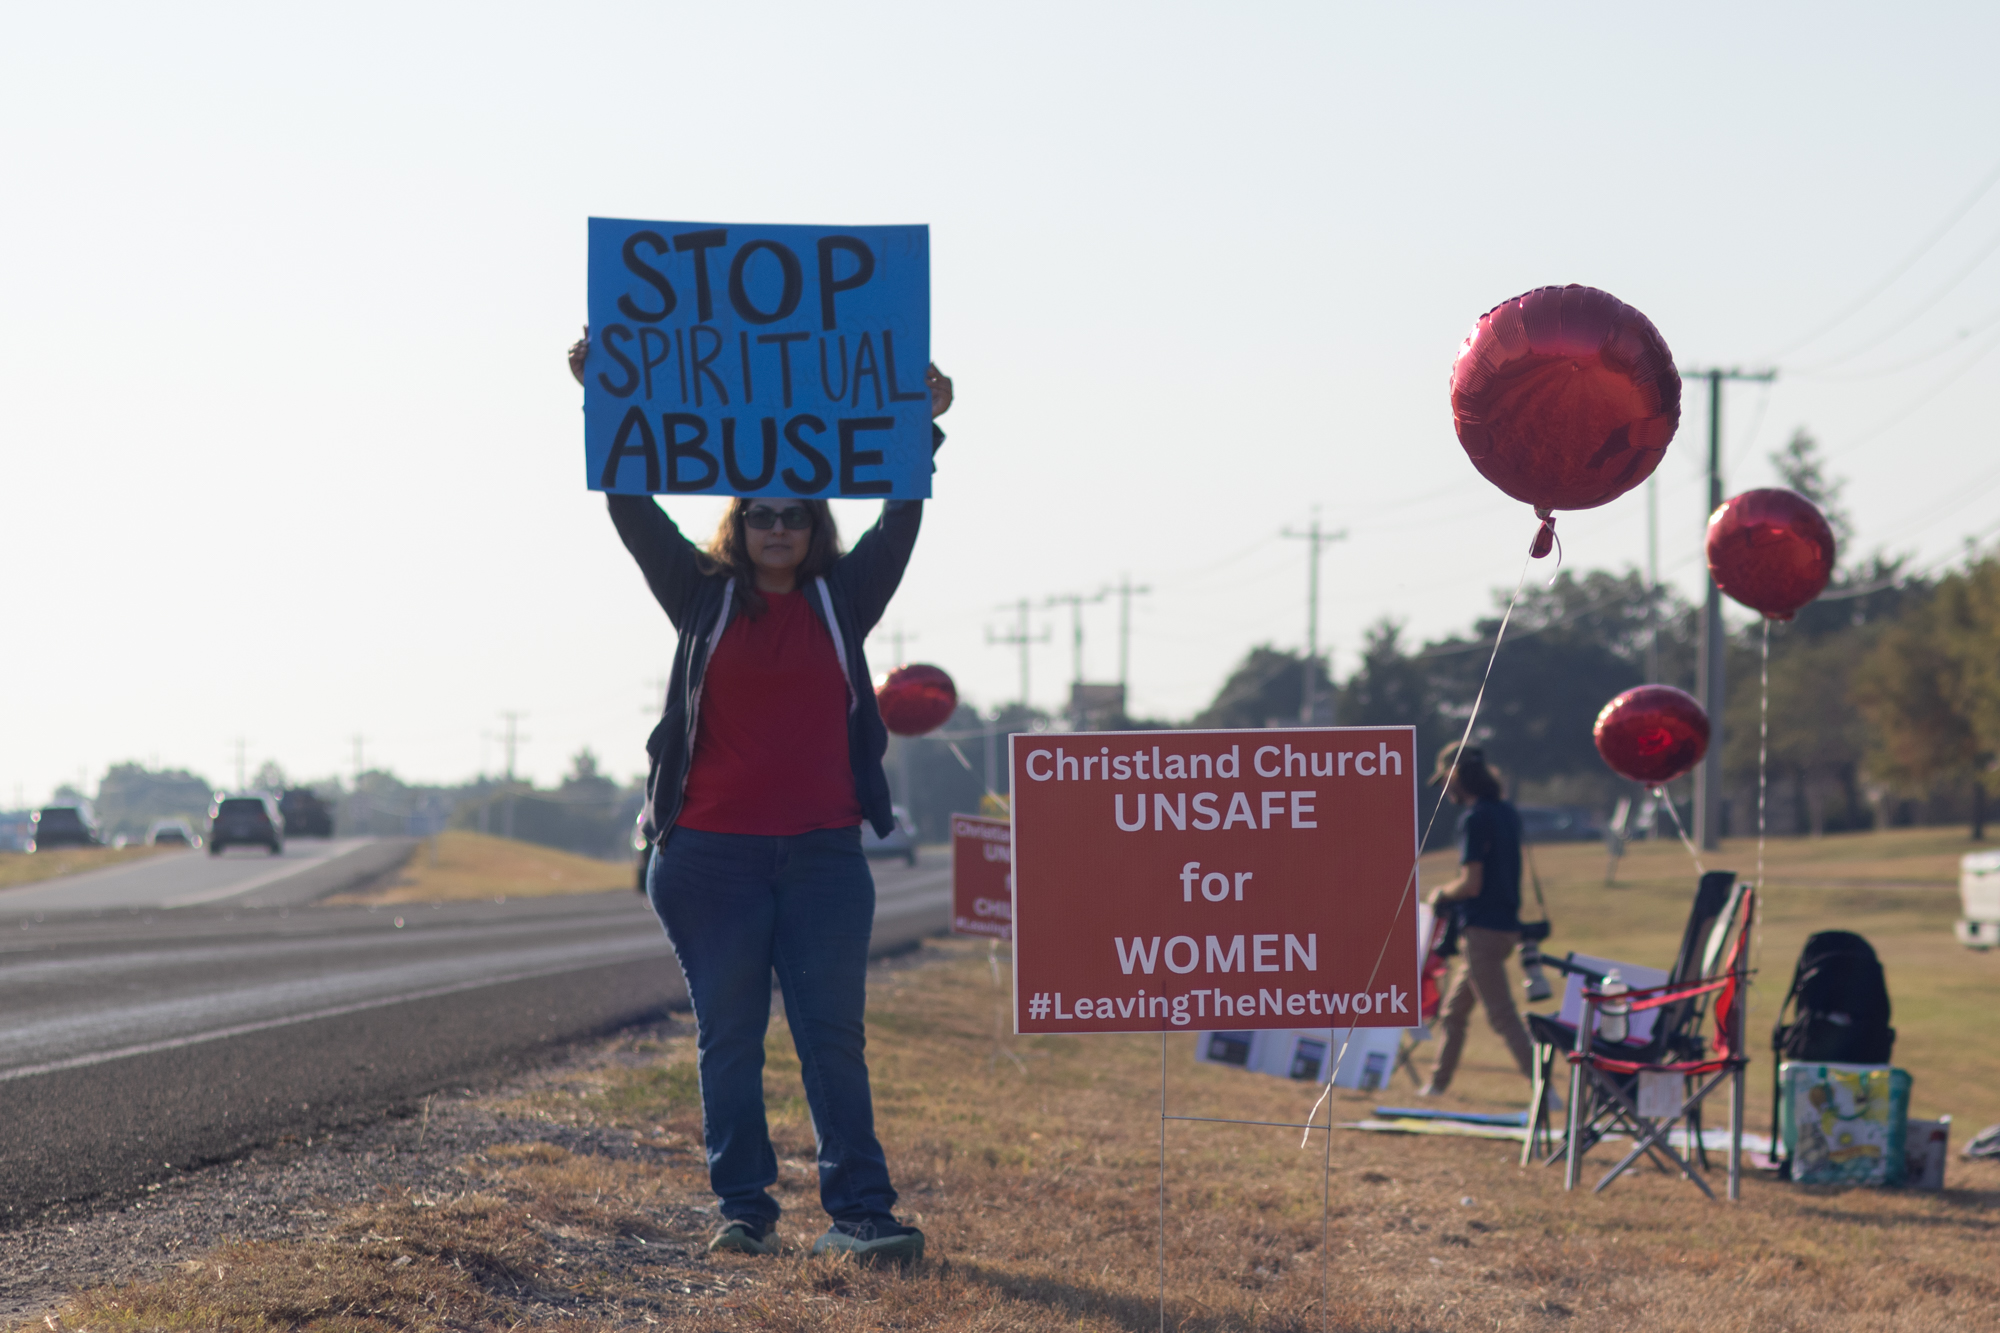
[(194, 878), (142, 1041)]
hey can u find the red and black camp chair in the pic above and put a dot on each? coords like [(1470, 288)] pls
[(1676, 1034), (1648, 1099)]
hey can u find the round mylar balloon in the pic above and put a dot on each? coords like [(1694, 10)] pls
[(1652, 734), (1565, 397), (1771, 550), (916, 699)]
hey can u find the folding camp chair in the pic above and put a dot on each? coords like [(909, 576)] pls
[(1675, 1033), (1430, 994), (1647, 1098)]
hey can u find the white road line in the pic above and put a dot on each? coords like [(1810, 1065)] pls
[(256, 882), (265, 1025)]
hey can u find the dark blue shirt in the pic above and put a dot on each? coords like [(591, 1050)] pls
[(1490, 833)]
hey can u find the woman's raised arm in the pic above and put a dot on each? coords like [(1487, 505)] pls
[(669, 561)]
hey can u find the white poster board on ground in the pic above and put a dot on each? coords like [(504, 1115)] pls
[(1367, 1055)]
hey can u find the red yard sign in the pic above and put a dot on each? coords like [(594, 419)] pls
[(982, 879), (1232, 880)]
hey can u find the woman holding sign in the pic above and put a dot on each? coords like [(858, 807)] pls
[(765, 764)]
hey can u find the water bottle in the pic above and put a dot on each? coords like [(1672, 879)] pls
[(1614, 1013)]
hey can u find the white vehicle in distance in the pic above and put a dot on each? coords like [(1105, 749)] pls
[(171, 833)]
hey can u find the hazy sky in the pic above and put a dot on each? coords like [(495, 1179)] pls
[(290, 452)]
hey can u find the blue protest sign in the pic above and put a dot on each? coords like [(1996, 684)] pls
[(754, 360)]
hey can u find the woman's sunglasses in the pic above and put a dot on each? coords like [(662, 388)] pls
[(796, 518)]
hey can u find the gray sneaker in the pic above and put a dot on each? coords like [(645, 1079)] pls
[(739, 1237), (873, 1240)]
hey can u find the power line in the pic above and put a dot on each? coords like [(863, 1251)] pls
[(1952, 221), (1955, 342), (1924, 306), (1896, 417)]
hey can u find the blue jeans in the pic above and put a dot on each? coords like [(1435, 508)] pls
[(738, 907)]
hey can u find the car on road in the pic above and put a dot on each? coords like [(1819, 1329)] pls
[(17, 831), (305, 814), (902, 839), (64, 826), (250, 819), (172, 833)]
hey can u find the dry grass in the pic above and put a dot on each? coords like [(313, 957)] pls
[(1036, 1175), (460, 864), (22, 868)]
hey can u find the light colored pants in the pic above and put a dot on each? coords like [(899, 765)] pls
[(1481, 977)]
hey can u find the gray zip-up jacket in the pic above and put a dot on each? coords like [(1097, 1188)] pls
[(850, 598)]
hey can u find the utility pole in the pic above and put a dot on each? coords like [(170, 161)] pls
[(1075, 601), (357, 739), (511, 741), (1652, 580), (1314, 540), (897, 637), (1710, 668), (1126, 591), (991, 745), (1018, 638), (239, 763)]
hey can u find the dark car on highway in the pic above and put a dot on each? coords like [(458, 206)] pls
[(171, 833), (305, 814), (64, 826), (245, 821)]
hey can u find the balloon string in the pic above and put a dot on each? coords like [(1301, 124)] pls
[(1444, 794), (1763, 752), (1660, 794)]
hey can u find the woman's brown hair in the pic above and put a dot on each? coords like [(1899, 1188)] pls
[(1472, 772), (1479, 777), (729, 549)]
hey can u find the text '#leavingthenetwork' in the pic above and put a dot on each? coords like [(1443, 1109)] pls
[(1319, 1008)]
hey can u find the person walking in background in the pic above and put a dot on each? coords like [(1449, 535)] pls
[(1486, 897), (767, 759)]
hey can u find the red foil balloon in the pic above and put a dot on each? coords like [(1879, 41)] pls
[(1771, 550), (916, 699), (1652, 734), (1565, 398)]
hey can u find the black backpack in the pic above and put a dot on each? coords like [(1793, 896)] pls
[(1839, 1004)]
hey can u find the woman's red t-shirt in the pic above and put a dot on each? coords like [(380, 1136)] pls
[(770, 747)]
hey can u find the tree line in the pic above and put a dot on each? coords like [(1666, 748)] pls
[(1884, 699)]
